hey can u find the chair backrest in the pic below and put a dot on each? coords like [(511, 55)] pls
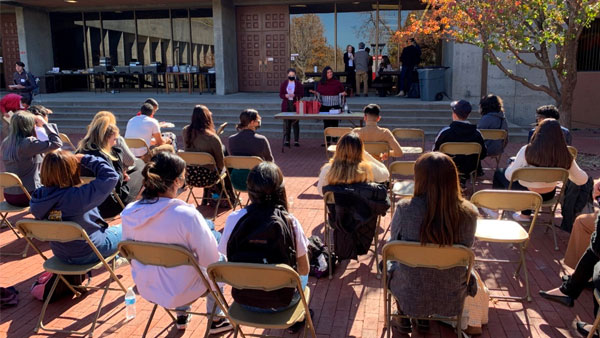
[(511, 200), (198, 158), (403, 168), (415, 255), (9, 180), (461, 148), (410, 134), (221, 128), (158, 254), (137, 143), (52, 231), (66, 140), (540, 174), (87, 179), (266, 277), (494, 134), (573, 151), (377, 148), (337, 131), (242, 162)]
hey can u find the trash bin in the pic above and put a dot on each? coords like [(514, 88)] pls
[(431, 82)]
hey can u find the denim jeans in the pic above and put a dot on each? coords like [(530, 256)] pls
[(293, 302), (110, 246)]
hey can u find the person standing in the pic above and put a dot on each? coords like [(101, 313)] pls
[(329, 90), (410, 58), (23, 81), (290, 91), (349, 67), (361, 61)]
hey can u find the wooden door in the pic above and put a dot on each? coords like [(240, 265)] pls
[(10, 45), (263, 47)]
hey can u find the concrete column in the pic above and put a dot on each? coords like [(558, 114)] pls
[(225, 41), (35, 40)]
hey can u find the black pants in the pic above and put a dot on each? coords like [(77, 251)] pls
[(586, 268), (351, 78), (291, 123)]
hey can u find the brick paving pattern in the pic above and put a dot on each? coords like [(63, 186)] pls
[(350, 305)]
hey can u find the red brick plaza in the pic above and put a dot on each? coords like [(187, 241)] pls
[(349, 305)]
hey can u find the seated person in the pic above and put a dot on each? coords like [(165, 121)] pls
[(547, 148), (101, 140), (43, 112), (146, 127), (200, 136), (161, 217), (351, 164), (437, 214), (373, 133), (14, 102), (460, 130), (385, 82), (22, 154), (129, 159), (266, 215), (583, 227), (491, 109), (247, 142), (549, 112), (63, 198)]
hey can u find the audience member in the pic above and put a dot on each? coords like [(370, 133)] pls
[(43, 112), (267, 216), (22, 153), (290, 92), (549, 112), (329, 92), (437, 214), (460, 130), (100, 140), (491, 108), (373, 133), (351, 164), (13, 102), (385, 80), (548, 149), (129, 159), (161, 217), (200, 136), (63, 198), (361, 61), (146, 127)]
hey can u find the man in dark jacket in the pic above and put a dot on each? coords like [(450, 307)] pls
[(410, 58), (23, 81), (461, 130)]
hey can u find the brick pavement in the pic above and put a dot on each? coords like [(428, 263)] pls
[(350, 305)]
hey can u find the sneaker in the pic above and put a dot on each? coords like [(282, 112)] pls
[(183, 321), (296, 144), (401, 93), (219, 326), (286, 144), (517, 216), (120, 261), (490, 213)]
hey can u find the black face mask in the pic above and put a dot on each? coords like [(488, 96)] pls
[(292, 78)]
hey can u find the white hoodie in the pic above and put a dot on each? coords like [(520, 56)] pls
[(169, 221)]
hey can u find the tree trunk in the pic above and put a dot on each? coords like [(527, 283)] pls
[(565, 105)]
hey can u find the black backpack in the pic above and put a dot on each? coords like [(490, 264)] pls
[(264, 235), (316, 248)]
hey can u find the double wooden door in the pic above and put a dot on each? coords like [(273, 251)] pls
[(10, 45), (263, 47)]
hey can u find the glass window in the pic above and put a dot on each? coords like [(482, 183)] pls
[(67, 40)]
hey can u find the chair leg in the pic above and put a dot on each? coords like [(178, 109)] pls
[(210, 319), (100, 307), (376, 242), (594, 327), (459, 325), (328, 245), (551, 225), (387, 308), (524, 264), (40, 324), (149, 320)]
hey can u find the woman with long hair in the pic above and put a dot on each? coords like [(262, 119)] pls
[(350, 67), (129, 158), (100, 140), (329, 92), (22, 153), (63, 198), (437, 214), (290, 92), (161, 217), (491, 108), (351, 164)]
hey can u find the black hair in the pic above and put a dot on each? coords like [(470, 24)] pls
[(265, 185), (146, 109), (548, 111), (491, 104), (246, 117), (26, 100), (291, 70), (372, 109), (20, 64), (324, 74), (38, 110), (152, 102), (160, 174)]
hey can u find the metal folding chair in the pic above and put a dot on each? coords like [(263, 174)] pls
[(241, 163), (66, 140), (411, 135), (334, 132), (10, 180), (405, 187), (466, 149), (495, 135)]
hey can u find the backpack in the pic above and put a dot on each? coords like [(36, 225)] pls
[(318, 257), (8, 297), (34, 82), (41, 287), (264, 235)]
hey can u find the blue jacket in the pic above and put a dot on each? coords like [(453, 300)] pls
[(79, 205)]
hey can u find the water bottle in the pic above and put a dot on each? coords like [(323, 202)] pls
[(346, 108), (130, 304), (316, 69)]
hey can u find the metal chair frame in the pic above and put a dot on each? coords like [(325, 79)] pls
[(410, 134), (464, 148), (494, 135), (333, 132), (402, 168), (139, 143), (9, 180), (66, 140)]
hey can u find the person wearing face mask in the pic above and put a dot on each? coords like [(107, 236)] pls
[(290, 91)]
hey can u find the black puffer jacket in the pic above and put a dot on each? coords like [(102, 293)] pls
[(354, 216)]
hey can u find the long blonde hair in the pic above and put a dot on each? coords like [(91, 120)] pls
[(349, 165), (105, 113), (96, 138)]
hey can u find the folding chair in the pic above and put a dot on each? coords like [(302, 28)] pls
[(416, 255), (402, 188), (375, 149), (134, 143), (266, 277), (49, 231), (66, 140), (464, 148), (10, 180), (241, 162), (410, 134), (334, 132), (594, 329), (507, 231), (573, 151), (545, 175), (167, 256), (329, 199), (221, 128), (206, 160), (495, 135)]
